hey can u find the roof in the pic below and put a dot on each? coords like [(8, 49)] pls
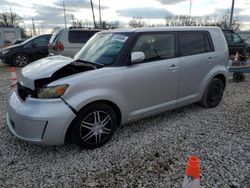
[(152, 29)]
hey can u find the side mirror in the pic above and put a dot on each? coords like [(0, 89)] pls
[(137, 57)]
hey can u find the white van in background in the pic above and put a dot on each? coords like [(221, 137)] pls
[(8, 36), (68, 42)]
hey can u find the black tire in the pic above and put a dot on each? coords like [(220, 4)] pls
[(20, 60), (239, 77), (213, 93), (95, 132)]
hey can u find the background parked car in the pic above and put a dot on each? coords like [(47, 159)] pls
[(68, 42), (30, 50), (235, 43), (245, 35)]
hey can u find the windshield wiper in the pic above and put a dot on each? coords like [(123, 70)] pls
[(91, 64)]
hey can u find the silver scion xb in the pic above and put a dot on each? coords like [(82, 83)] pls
[(117, 77)]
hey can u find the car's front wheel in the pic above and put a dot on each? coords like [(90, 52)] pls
[(213, 93), (20, 60), (94, 126)]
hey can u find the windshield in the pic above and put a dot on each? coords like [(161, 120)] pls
[(102, 48), (28, 40)]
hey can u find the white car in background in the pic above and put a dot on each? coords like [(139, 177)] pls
[(68, 42)]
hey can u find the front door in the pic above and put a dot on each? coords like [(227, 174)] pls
[(153, 83), (39, 47)]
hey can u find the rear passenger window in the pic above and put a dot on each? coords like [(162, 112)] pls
[(156, 46), (194, 43), (80, 36)]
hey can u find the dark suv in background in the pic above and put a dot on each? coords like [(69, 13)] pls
[(30, 50), (68, 42), (236, 44)]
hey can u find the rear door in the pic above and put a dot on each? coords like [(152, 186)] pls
[(197, 57)]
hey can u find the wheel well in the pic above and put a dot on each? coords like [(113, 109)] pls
[(111, 104), (20, 53), (222, 78)]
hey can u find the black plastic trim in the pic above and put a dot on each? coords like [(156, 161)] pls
[(44, 129), (70, 107)]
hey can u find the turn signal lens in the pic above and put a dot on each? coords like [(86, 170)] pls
[(52, 92)]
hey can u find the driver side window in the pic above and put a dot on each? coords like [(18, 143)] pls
[(156, 46)]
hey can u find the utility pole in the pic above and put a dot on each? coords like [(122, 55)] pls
[(11, 18), (100, 15), (42, 28), (93, 13), (231, 16), (73, 20), (31, 32), (34, 29), (190, 9), (65, 23)]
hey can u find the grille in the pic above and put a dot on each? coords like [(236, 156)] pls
[(24, 92)]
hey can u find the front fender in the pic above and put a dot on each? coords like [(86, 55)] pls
[(80, 99)]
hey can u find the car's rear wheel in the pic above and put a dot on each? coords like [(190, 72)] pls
[(20, 60), (213, 93), (94, 126)]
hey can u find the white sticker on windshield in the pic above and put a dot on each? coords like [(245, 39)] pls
[(120, 38)]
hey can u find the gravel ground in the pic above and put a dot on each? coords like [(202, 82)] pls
[(149, 153)]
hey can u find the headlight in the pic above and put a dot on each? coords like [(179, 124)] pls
[(5, 51), (52, 92)]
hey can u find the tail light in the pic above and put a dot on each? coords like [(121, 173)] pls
[(59, 46)]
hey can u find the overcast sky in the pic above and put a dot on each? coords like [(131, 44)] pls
[(49, 13)]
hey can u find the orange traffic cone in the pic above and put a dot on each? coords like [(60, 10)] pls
[(192, 174), (13, 76)]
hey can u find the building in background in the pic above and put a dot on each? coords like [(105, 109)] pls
[(8, 36)]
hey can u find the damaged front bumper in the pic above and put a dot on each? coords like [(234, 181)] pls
[(42, 121)]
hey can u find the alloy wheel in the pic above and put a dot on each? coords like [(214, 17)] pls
[(21, 60), (95, 127)]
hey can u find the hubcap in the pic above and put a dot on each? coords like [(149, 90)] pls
[(214, 93), (21, 60), (95, 127)]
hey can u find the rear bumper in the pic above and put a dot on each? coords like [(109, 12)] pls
[(37, 120)]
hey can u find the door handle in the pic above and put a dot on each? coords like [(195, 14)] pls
[(210, 60), (173, 67)]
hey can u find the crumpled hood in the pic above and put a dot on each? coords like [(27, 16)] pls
[(43, 68)]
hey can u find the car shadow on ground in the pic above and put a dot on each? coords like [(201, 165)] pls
[(122, 132)]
